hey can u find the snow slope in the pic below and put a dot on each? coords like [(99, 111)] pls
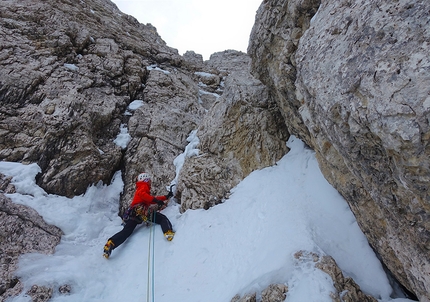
[(237, 247)]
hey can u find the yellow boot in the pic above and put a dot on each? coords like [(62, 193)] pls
[(169, 235), (107, 250)]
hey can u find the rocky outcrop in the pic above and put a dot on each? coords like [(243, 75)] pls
[(243, 131), (65, 83), (246, 298), (40, 293), (160, 127), (346, 290), (274, 293), (279, 25), (354, 81), (239, 127), (22, 230)]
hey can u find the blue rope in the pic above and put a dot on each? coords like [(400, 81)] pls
[(149, 267), (153, 255), (151, 277)]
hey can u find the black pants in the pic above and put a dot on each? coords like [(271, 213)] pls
[(131, 224)]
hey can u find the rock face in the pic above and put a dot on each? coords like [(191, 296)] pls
[(350, 78), (243, 131), (239, 127), (22, 230), (345, 289), (159, 128), (65, 82), (356, 86), (273, 43)]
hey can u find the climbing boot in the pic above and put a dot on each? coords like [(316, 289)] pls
[(107, 250), (169, 235)]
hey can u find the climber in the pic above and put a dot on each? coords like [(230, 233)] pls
[(143, 208)]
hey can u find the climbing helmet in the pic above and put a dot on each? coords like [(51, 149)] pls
[(144, 177)]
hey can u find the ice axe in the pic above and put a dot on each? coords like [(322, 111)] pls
[(171, 190)]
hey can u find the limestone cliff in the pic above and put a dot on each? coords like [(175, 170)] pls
[(68, 71), (353, 78), (242, 131)]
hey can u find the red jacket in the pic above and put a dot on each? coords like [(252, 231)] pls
[(143, 196)]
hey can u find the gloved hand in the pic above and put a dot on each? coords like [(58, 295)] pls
[(170, 194), (159, 202)]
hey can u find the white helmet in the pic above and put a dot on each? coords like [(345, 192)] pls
[(144, 177)]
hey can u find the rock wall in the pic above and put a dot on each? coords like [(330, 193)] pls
[(349, 77), (279, 25), (242, 131), (358, 81), (65, 84), (65, 81), (160, 127), (22, 230)]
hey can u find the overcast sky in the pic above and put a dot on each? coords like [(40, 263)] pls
[(204, 26)]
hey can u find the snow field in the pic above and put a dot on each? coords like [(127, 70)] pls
[(237, 247)]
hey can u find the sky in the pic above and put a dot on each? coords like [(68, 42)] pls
[(200, 25), (237, 247)]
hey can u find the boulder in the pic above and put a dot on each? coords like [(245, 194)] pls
[(274, 293), (346, 288), (22, 230)]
